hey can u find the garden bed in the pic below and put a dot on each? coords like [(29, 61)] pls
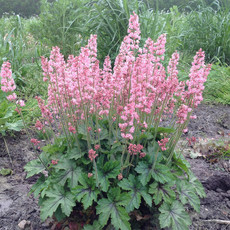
[(212, 122)]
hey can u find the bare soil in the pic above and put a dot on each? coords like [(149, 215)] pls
[(213, 121)]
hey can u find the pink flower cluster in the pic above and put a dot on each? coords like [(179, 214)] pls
[(134, 95), (135, 149), (92, 154), (7, 81), (39, 125), (162, 143), (35, 141)]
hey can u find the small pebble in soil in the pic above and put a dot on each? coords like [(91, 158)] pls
[(23, 224)]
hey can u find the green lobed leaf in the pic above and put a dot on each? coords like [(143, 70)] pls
[(137, 190), (38, 186), (187, 194), (145, 170), (197, 185), (174, 216), (87, 192), (112, 208), (35, 166), (181, 163), (162, 174), (68, 171), (109, 170), (56, 197), (75, 154), (15, 126), (162, 192)]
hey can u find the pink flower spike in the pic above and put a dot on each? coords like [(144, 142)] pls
[(7, 81), (97, 147)]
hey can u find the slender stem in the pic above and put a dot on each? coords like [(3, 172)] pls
[(96, 172), (8, 152), (28, 134)]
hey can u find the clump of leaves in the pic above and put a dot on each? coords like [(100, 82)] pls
[(169, 187)]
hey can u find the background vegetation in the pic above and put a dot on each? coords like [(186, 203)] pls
[(36, 26)]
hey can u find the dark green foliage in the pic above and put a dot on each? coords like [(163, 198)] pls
[(23, 7), (106, 171), (174, 216), (113, 208), (87, 191), (136, 191), (62, 23), (209, 30), (57, 197), (148, 182)]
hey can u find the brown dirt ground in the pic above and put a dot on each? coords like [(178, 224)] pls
[(213, 121)]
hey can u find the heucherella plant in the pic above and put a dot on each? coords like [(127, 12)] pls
[(109, 155), (7, 107)]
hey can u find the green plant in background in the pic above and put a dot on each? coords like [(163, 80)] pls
[(218, 86), (26, 7), (19, 46), (209, 29), (61, 23), (108, 155)]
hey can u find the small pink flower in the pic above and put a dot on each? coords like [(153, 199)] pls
[(92, 154), (90, 175), (132, 129), (135, 149), (72, 129), (89, 129), (142, 155), (54, 162), (120, 176), (162, 143), (35, 141), (21, 103), (97, 147), (12, 97), (39, 125), (185, 130)]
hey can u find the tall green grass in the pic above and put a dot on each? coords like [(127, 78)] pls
[(210, 30), (19, 47)]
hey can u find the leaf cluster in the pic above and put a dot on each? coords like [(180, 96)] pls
[(148, 181)]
